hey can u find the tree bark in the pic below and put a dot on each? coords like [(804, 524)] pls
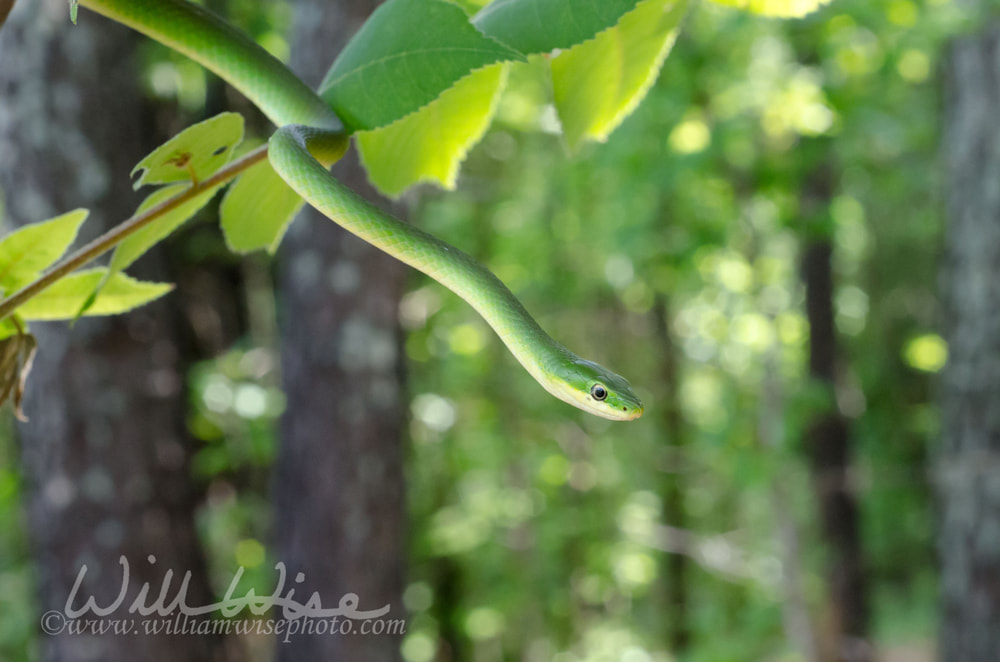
[(105, 455), (968, 475), (828, 447), (339, 496)]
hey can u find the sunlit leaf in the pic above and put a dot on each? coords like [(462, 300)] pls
[(540, 26), (193, 154), (783, 8), (138, 243), (597, 84), (405, 55), (258, 209), (430, 144), (132, 248), (29, 250), (66, 297)]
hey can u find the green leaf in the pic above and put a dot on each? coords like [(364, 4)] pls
[(26, 252), (597, 84), (74, 6), (194, 154), (258, 209), (540, 26), (470, 7), (7, 328), (430, 144), (132, 248), (402, 58), (66, 297), (138, 243), (781, 8)]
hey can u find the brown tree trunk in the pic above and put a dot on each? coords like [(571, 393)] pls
[(105, 455), (828, 448), (828, 444), (969, 454), (339, 497)]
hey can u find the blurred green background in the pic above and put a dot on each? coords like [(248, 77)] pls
[(673, 254)]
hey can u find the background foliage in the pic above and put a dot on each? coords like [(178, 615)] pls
[(538, 531)]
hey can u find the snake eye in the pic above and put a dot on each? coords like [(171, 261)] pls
[(598, 392)]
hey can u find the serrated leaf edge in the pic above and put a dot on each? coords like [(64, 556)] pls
[(167, 288), (456, 167), (496, 3), (647, 84), (521, 57)]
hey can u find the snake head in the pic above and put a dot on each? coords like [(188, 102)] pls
[(595, 389)]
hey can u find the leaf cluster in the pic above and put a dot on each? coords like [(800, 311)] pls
[(418, 98)]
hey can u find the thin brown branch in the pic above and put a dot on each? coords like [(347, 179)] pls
[(116, 235)]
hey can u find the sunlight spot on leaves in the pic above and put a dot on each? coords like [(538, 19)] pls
[(484, 623), (914, 66), (249, 553), (418, 647), (928, 352), (690, 136), (435, 412), (780, 8)]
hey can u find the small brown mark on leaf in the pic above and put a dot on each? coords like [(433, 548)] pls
[(180, 160)]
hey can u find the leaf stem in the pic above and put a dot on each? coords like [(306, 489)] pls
[(115, 235)]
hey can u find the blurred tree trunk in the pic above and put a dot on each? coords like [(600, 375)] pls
[(339, 497), (828, 448), (105, 455), (676, 566), (800, 629), (969, 536)]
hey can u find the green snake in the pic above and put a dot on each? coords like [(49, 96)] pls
[(310, 138)]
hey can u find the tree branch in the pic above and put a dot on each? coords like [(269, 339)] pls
[(116, 235)]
